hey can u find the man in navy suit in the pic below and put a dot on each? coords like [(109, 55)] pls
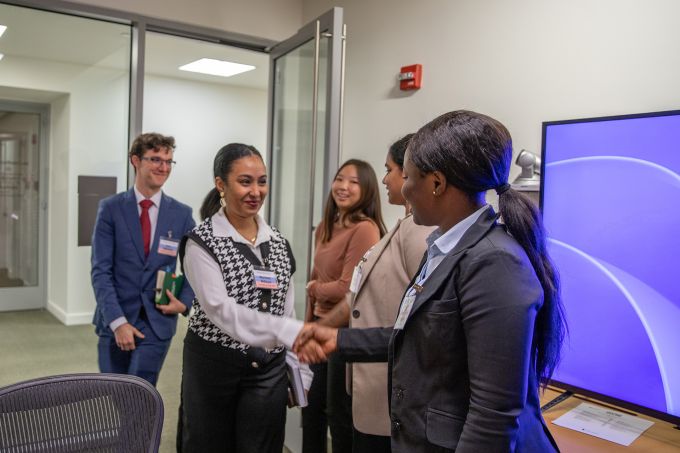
[(136, 234)]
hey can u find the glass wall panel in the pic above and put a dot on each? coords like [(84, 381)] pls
[(75, 72), (203, 112)]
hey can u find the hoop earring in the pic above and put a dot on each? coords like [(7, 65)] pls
[(223, 202)]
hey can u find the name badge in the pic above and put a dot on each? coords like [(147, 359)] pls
[(168, 246), (356, 275), (405, 310), (356, 279), (265, 278)]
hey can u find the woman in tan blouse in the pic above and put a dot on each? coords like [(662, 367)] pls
[(352, 224)]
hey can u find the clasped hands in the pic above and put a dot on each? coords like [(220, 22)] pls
[(315, 343)]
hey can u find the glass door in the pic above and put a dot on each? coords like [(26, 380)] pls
[(22, 207), (305, 128)]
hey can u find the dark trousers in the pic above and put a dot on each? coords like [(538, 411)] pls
[(144, 361), (329, 405), (370, 443), (231, 402), (314, 422)]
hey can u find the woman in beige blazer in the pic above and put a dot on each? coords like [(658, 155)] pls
[(378, 283)]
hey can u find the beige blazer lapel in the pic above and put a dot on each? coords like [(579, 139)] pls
[(373, 257)]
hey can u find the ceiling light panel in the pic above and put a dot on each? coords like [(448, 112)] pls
[(216, 67)]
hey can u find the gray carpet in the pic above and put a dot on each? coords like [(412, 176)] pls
[(35, 344)]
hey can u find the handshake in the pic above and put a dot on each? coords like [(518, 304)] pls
[(315, 343)]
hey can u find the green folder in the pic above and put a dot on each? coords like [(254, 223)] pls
[(167, 280)]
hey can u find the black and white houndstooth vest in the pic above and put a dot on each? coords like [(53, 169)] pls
[(237, 272)]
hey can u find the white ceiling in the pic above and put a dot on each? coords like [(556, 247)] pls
[(164, 54), (67, 39)]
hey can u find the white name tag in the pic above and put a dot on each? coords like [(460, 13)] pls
[(356, 279), (168, 246), (404, 310), (356, 275), (265, 278)]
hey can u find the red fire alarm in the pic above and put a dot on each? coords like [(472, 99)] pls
[(410, 77)]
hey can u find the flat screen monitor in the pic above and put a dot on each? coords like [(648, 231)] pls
[(610, 198)]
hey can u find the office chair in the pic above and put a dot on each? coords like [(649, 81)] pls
[(81, 413)]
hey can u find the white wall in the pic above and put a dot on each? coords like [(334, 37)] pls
[(202, 117), (271, 19), (58, 208), (521, 61), (97, 144)]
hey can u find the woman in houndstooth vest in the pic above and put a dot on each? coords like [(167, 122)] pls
[(234, 383)]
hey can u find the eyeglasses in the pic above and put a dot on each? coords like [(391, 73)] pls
[(157, 161)]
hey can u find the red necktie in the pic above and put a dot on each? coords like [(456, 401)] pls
[(146, 224)]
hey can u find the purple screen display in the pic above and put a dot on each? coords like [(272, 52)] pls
[(611, 205)]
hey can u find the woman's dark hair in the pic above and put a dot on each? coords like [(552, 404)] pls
[(224, 160), (398, 149), (368, 206), (474, 153)]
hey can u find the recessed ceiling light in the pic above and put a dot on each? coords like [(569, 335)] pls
[(216, 67), (2, 29), (2, 55)]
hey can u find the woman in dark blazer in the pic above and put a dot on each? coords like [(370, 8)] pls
[(481, 325)]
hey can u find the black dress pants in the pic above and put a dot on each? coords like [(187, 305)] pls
[(314, 421), (231, 402), (328, 405), (370, 443)]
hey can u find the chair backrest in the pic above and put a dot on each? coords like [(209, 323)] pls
[(81, 412)]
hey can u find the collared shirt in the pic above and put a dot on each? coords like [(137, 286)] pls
[(223, 228), (238, 321), (153, 210), (440, 244)]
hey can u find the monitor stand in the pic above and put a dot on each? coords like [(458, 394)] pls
[(557, 400)]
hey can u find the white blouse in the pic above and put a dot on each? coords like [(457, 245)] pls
[(240, 322)]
